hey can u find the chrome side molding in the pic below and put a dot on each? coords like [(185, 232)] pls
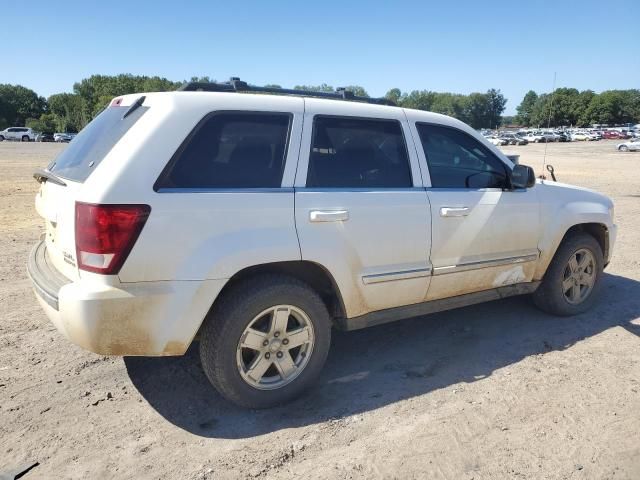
[(391, 276), (463, 267)]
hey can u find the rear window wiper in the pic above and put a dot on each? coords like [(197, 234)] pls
[(44, 176), (134, 107)]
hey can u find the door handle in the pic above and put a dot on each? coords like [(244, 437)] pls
[(328, 215), (454, 211)]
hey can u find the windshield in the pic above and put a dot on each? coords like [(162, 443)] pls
[(93, 143)]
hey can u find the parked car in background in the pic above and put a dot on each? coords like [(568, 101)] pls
[(534, 137), (579, 136), (45, 137), (62, 137), (594, 136), (632, 146), (514, 139), (611, 134), (497, 141), (563, 136), (551, 136), (20, 134), (624, 134)]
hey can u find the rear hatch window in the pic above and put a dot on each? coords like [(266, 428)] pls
[(94, 142)]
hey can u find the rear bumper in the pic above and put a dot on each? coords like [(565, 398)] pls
[(146, 318), (45, 278)]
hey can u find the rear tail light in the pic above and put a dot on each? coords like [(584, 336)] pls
[(105, 234)]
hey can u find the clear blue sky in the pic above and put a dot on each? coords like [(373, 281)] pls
[(455, 46)]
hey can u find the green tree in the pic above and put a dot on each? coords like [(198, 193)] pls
[(495, 107), (526, 107), (419, 99), (70, 110), (18, 103), (605, 108), (315, 88), (98, 90), (561, 108), (477, 110), (629, 106), (357, 90), (47, 123), (7, 112), (204, 79), (452, 104), (582, 104), (395, 95)]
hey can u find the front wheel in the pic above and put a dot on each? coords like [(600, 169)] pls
[(25, 138), (265, 341), (623, 148), (572, 280)]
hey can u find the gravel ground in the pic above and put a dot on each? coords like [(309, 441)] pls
[(498, 390)]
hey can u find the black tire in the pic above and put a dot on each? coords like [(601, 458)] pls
[(623, 148), (1, 138), (25, 138), (227, 321), (549, 296)]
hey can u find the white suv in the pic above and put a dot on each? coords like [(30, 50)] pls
[(256, 223), (21, 134)]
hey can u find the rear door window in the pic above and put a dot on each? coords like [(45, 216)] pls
[(358, 153), (94, 142), (231, 150)]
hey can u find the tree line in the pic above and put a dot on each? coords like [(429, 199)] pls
[(70, 112), (570, 107)]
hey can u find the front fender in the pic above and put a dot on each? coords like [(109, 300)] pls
[(563, 207)]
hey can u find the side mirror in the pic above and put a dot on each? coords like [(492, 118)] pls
[(522, 176)]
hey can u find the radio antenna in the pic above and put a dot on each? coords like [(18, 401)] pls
[(546, 142)]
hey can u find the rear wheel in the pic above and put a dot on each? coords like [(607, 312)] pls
[(25, 138), (265, 341), (623, 148), (571, 282)]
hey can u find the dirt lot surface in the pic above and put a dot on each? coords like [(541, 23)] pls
[(492, 391)]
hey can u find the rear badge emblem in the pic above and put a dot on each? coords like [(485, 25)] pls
[(69, 258)]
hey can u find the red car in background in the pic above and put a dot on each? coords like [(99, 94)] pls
[(611, 134)]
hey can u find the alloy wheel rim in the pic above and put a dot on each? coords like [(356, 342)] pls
[(579, 276), (275, 347)]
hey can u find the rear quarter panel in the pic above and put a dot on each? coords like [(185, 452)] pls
[(197, 235)]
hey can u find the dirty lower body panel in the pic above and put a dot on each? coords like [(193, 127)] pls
[(145, 318), (433, 306)]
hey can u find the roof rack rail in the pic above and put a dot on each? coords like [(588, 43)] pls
[(236, 85)]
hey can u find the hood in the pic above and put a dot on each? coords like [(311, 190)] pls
[(565, 192)]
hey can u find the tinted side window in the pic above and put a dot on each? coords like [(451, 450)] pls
[(358, 153), (457, 160), (231, 150)]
